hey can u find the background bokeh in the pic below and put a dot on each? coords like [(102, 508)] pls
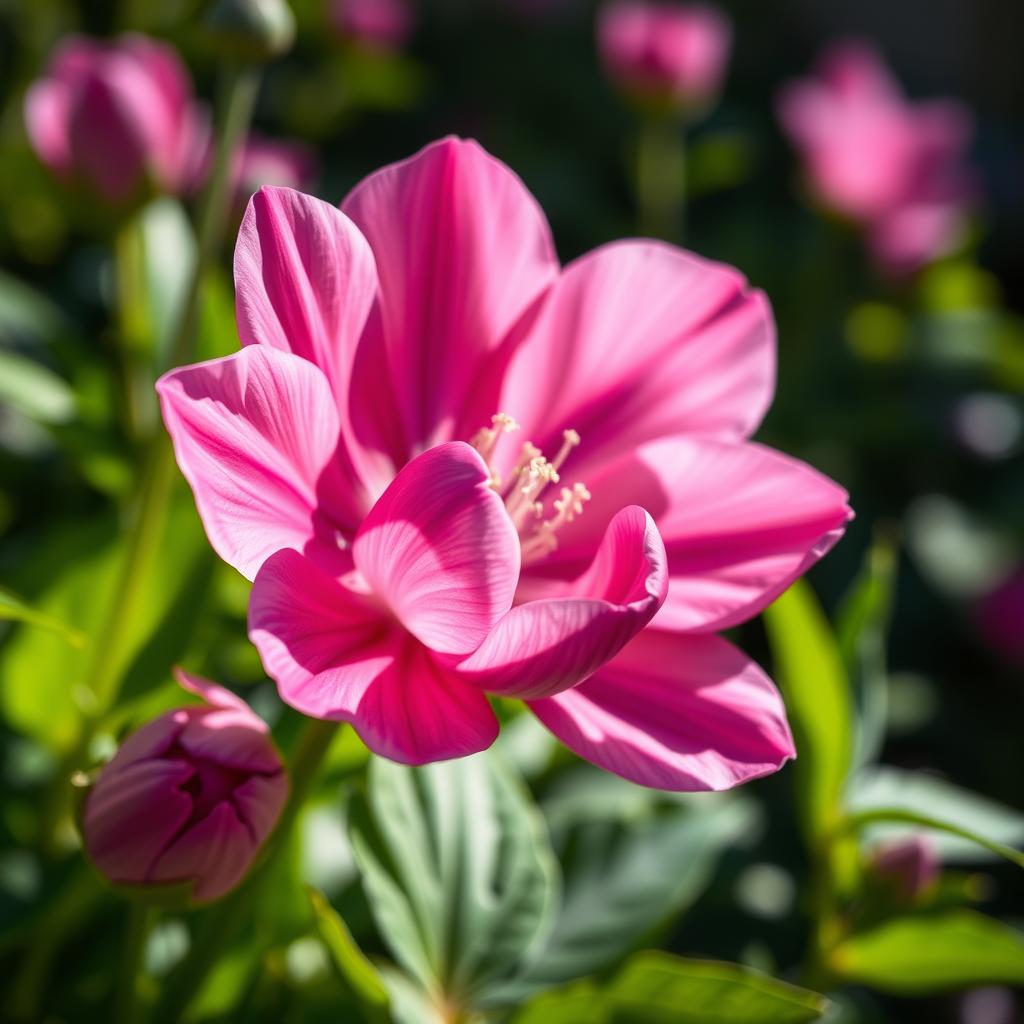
[(908, 392)]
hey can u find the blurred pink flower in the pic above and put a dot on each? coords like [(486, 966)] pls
[(116, 116), (188, 798), (265, 161), (383, 24), (401, 572), (1000, 617), (662, 51), (892, 166), (910, 864)]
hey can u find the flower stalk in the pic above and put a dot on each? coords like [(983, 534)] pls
[(661, 177)]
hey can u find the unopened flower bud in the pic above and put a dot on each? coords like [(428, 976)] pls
[(188, 799), (253, 30), (910, 865)]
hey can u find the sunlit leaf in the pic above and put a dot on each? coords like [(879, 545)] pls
[(809, 669), (932, 953), (14, 609), (35, 390), (457, 868)]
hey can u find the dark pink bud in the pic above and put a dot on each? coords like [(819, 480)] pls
[(664, 51), (381, 24), (1001, 618), (911, 865), (189, 798), (114, 116)]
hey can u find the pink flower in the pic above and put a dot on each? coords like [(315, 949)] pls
[(188, 798), (412, 553), (911, 865), (1000, 615), (892, 166), (116, 116), (665, 51), (263, 161), (382, 24)]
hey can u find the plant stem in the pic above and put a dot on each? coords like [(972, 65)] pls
[(131, 329), (186, 981), (661, 178), (126, 992)]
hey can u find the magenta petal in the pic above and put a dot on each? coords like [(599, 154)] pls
[(440, 549), (212, 693), (548, 645), (335, 655), (462, 250), (47, 113), (637, 340), (216, 852), (675, 712), (255, 435)]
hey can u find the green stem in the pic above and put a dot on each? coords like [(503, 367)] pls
[(661, 178), (187, 980), (237, 99), (126, 992)]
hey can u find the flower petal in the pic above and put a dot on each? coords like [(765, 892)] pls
[(255, 435), (47, 115), (440, 549), (548, 645), (637, 340), (462, 250), (740, 523), (334, 655), (675, 712)]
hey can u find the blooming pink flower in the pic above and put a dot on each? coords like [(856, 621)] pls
[(188, 798), (264, 161), (411, 553), (665, 51), (383, 24), (893, 166), (113, 116)]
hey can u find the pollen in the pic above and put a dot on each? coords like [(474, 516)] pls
[(528, 480)]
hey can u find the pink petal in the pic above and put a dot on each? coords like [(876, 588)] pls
[(255, 435), (548, 645), (740, 523), (237, 739), (47, 120), (259, 802), (440, 549), (216, 852), (675, 712), (637, 340), (462, 250), (212, 693), (335, 655)]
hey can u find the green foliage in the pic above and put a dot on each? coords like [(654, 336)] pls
[(654, 988), (813, 679), (932, 953)]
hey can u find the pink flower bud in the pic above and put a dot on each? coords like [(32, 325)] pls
[(282, 162), (381, 24), (1001, 618), (188, 799), (665, 52), (911, 864), (116, 116)]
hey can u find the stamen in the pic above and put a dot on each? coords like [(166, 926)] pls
[(486, 439)]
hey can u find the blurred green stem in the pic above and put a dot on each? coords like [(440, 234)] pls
[(131, 329), (661, 178), (126, 993), (185, 982)]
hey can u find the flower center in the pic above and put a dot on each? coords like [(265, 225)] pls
[(529, 479)]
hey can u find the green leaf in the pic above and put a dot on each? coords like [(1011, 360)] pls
[(861, 627), (14, 609), (614, 840), (35, 390), (809, 669), (359, 975), (932, 953), (457, 869), (27, 316), (657, 988), (965, 817)]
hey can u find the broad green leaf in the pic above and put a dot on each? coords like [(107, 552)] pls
[(14, 609), (932, 953), (657, 988), (894, 789), (631, 858), (809, 669), (359, 975), (861, 628), (457, 869), (35, 390)]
